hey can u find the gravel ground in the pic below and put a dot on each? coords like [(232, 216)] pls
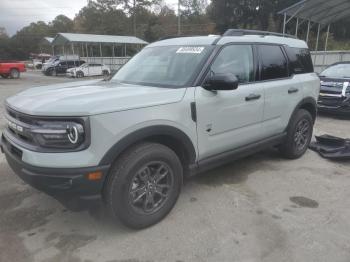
[(261, 208)]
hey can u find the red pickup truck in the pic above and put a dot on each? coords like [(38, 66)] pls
[(11, 69)]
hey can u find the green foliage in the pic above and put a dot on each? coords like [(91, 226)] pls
[(151, 20)]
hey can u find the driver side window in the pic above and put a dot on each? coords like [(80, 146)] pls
[(237, 60)]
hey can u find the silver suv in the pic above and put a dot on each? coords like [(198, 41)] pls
[(177, 108)]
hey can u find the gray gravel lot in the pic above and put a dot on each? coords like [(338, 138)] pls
[(261, 208)]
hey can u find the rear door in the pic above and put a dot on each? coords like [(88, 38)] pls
[(283, 90)]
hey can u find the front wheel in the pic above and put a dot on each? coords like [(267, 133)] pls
[(299, 135), (143, 185), (80, 74)]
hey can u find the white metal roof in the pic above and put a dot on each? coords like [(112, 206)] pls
[(319, 11), (49, 39), (65, 38)]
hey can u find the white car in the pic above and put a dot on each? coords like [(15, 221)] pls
[(88, 69)]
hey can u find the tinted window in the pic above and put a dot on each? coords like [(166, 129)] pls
[(237, 60), (300, 60), (273, 62)]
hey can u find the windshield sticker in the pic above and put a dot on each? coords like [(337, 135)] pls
[(190, 50)]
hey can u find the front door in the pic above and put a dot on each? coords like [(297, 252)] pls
[(227, 120)]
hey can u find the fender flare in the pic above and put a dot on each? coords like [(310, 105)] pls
[(307, 101), (147, 132)]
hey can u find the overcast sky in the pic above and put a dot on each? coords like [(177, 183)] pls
[(14, 14)]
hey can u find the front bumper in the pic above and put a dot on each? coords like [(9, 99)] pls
[(60, 183), (70, 74), (340, 105)]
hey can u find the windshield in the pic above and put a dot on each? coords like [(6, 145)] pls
[(337, 71), (165, 66)]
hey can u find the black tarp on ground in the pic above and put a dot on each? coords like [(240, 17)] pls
[(331, 147)]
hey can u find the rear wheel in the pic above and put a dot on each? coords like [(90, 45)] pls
[(14, 73), (299, 135), (143, 185)]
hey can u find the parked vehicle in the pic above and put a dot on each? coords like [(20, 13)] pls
[(55, 58), (60, 67), (335, 89), (11, 69), (39, 59), (177, 108), (88, 69)]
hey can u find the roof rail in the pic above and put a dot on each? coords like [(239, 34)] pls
[(241, 32), (174, 36)]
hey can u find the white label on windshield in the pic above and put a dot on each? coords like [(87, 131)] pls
[(190, 50)]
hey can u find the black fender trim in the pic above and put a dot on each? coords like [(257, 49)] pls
[(305, 103), (148, 132)]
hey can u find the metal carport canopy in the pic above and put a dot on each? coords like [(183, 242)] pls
[(319, 11), (49, 39), (65, 38)]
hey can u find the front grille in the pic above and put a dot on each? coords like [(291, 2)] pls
[(14, 150), (19, 124)]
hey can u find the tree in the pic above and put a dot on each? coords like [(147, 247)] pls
[(61, 24)]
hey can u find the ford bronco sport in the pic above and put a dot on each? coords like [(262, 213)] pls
[(179, 107)]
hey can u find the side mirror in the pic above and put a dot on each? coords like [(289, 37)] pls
[(221, 82)]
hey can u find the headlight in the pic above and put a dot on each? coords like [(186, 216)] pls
[(49, 134), (60, 134)]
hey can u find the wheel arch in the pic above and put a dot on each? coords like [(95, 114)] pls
[(309, 104), (169, 136)]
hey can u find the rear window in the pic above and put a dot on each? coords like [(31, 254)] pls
[(300, 60), (273, 62)]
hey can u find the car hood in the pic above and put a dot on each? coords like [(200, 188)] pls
[(92, 97)]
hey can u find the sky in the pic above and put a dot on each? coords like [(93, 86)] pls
[(15, 14)]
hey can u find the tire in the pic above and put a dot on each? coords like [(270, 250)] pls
[(299, 135), (80, 74), (14, 73), (5, 76), (131, 185), (52, 72)]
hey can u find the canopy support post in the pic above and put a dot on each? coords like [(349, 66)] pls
[(325, 46), (74, 54), (113, 57), (284, 23), (101, 55), (87, 53), (296, 27), (308, 31), (318, 36), (178, 18)]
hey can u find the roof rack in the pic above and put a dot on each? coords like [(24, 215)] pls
[(241, 32), (174, 36)]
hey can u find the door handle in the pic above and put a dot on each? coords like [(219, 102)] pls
[(292, 90), (252, 97)]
